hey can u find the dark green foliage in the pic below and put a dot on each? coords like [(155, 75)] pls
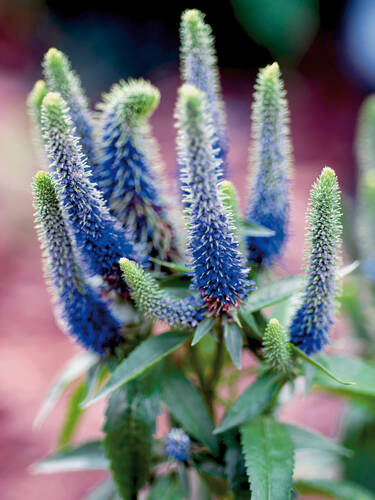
[(269, 458), (73, 415), (128, 431)]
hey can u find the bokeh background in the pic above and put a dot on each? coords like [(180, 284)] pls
[(327, 55)]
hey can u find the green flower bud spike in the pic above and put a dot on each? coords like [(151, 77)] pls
[(34, 101), (277, 350), (155, 303), (34, 105)]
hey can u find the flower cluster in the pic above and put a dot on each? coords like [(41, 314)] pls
[(82, 312), (365, 155), (107, 175), (178, 445), (312, 322), (111, 259), (129, 172), (199, 68), (100, 240), (271, 166), (219, 273)]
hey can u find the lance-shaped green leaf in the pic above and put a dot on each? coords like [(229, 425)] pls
[(95, 377), (87, 456), (269, 457), (251, 402), (73, 416), (305, 439), (273, 293), (361, 373), (202, 329), (167, 488), (128, 439), (336, 489), (233, 342), (147, 354), (179, 268), (105, 491), (320, 367), (250, 229), (71, 372), (188, 408), (280, 290)]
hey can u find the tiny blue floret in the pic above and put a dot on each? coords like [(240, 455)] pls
[(178, 445)]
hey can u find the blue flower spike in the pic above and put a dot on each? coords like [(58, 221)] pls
[(82, 313), (270, 167), (218, 270), (365, 143), (130, 171), (61, 78), (199, 68), (365, 156), (311, 324), (99, 238), (155, 303), (365, 222), (178, 445)]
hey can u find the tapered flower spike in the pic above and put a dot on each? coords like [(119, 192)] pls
[(80, 310), (276, 347), (199, 68), (61, 78), (34, 101), (178, 445), (218, 271), (34, 105), (365, 222), (100, 239), (271, 166), (313, 320), (365, 156), (155, 303), (365, 137), (130, 173)]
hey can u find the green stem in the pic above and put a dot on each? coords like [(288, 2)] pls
[(216, 372), (198, 369)]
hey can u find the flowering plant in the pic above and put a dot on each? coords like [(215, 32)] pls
[(118, 263)]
